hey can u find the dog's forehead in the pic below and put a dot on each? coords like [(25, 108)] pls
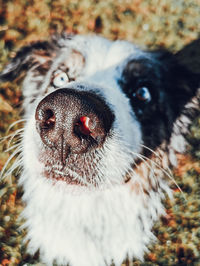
[(100, 53), (82, 57)]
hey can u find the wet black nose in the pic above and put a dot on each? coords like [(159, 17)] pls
[(73, 121)]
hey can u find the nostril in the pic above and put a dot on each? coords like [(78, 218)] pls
[(48, 119), (82, 126), (90, 128)]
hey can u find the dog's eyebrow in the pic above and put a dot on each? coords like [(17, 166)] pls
[(43, 68)]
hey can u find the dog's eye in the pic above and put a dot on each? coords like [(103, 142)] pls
[(143, 94), (60, 79)]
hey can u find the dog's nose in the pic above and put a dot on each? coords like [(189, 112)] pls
[(73, 121)]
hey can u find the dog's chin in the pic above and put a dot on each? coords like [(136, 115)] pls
[(73, 180), (62, 177)]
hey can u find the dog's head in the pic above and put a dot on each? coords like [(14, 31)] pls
[(95, 108)]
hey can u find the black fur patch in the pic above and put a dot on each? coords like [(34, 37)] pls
[(170, 84)]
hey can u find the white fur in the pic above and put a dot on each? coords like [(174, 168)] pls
[(91, 226), (87, 227)]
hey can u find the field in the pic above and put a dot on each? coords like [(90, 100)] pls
[(149, 23)]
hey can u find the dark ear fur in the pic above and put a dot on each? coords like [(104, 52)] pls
[(184, 72), (25, 58), (188, 66), (189, 57)]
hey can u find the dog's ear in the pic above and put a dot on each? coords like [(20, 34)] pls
[(187, 66), (35, 53), (183, 72), (189, 57)]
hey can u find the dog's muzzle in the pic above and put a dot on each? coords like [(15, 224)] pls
[(73, 122)]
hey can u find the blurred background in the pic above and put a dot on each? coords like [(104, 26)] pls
[(149, 23)]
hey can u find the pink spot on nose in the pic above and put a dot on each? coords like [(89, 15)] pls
[(84, 125)]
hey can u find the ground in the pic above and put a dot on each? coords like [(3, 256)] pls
[(153, 23)]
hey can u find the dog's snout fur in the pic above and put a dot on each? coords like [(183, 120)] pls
[(73, 121)]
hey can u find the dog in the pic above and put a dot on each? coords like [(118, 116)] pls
[(103, 122)]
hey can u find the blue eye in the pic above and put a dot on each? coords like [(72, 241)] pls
[(143, 94), (60, 79)]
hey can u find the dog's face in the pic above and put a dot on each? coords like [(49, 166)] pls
[(97, 113), (94, 107)]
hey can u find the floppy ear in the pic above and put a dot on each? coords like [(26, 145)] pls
[(35, 53)]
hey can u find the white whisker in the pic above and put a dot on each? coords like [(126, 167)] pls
[(157, 155), (16, 165), (18, 150), (16, 122), (143, 158), (13, 147), (18, 134)]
